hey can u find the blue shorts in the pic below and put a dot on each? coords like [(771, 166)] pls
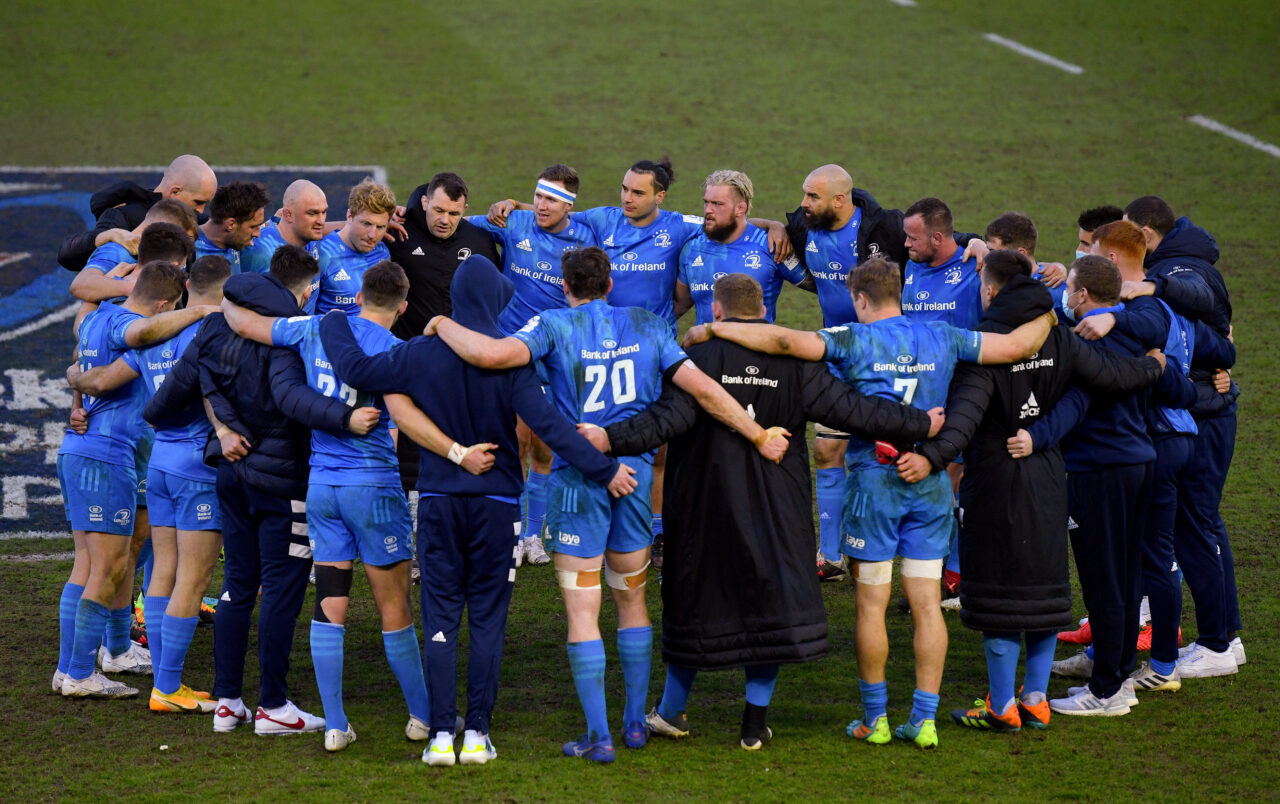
[(584, 520), (176, 502), (369, 521), (885, 517), (98, 496), (141, 462)]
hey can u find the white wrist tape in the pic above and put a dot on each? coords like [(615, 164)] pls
[(457, 452)]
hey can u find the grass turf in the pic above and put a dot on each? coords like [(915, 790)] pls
[(911, 100)]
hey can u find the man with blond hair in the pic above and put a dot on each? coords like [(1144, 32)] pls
[(355, 248)]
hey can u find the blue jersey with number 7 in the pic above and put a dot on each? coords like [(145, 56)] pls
[(895, 358)]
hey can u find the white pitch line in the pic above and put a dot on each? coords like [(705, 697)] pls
[(904, 3), (1238, 136), (1032, 53), (35, 534), (40, 557), (40, 323)]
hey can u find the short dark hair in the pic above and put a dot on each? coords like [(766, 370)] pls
[(1099, 276), (384, 286), (1151, 211), (586, 272), (208, 273), (293, 267), (159, 281), (739, 295), (165, 241), (1014, 230), (171, 210), (1094, 217), (239, 200), (563, 174), (879, 278), (452, 184), (1004, 264), (936, 214), (661, 170)]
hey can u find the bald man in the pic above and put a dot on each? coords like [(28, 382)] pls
[(120, 208), (299, 222)]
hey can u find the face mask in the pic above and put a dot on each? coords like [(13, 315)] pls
[(1068, 310), (1080, 254)]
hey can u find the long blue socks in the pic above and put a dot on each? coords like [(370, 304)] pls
[(761, 679), (586, 661), (1040, 646), (635, 652), (875, 700), (153, 612), (67, 606), (675, 694), (167, 664), (116, 631), (91, 620), (1002, 666), (924, 706), (831, 484), (535, 489), (657, 524), (326, 655), (405, 657)]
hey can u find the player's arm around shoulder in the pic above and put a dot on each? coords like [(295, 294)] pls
[(479, 349), (1023, 342), (768, 338)]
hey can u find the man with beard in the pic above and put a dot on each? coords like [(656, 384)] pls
[(302, 224), (236, 214), (729, 244)]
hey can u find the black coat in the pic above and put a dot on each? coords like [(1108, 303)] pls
[(739, 585), (1013, 512), (122, 205)]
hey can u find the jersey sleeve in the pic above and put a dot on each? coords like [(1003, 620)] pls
[(594, 219), (669, 352), (133, 360), (482, 223), (840, 342), (290, 332), (116, 334), (682, 271), (967, 344), (689, 228), (106, 257), (539, 335), (791, 269)]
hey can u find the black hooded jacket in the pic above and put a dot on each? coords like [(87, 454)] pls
[(1013, 512), (430, 263), (258, 391), (469, 404), (739, 586), (122, 205)]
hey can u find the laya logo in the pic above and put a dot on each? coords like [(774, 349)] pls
[(753, 370), (463, 253), (922, 295), (662, 240), (630, 255), (855, 543)]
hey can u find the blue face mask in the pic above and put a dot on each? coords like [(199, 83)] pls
[(1067, 310), (1080, 254)]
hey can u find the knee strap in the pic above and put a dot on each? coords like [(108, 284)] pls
[(330, 582), (930, 569), (578, 579), (623, 581), (873, 573)]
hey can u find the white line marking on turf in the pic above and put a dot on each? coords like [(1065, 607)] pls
[(42, 557), (904, 3), (40, 323), (378, 172), (1032, 53), (35, 534), (1238, 136)]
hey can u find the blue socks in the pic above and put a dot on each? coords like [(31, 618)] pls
[(1002, 666), (875, 700), (635, 652), (586, 660), (657, 524), (675, 695), (153, 612), (405, 657), (535, 489), (67, 606), (1040, 647), (1163, 668), (91, 620), (924, 706), (167, 665), (116, 633), (830, 509), (761, 679), (953, 556), (326, 655)]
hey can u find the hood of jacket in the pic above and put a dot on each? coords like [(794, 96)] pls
[(866, 201), (1186, 241), (261, 293), (1019, 301), (415, 217), (479, 291)]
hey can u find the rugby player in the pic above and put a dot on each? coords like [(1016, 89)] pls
[(303, 211), (236, 214), (346, 254)]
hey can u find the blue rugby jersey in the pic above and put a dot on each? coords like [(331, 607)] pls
[(108, 256), (531, 257), (896, 358), (829, 256), (346, 459), (643, 260), (256, 258), (178, 450), (205, 247), (951, 292), (604, 363), (342, 273), (704, 260), (115, 420)]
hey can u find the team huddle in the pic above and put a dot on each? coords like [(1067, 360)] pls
[(430, 392)]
